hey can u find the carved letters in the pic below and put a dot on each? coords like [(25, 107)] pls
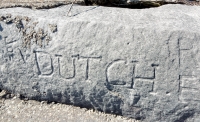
[(120, 72), (189, 64), (67, 68), (117, 72), (44, 63), (8, 51), (189, 88)]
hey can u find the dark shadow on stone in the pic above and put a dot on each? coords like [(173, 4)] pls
[(109, 86), (55, 95), (137, 5), (1, 29), (22, 97), (185, 116)]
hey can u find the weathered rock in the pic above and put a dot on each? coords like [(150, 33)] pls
[(46, 4), (37, 4), (142, 64), (141, 3)]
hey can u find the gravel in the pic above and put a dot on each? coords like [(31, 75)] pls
[(14, 109)]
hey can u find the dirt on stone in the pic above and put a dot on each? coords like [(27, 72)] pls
[(37, 4), (47, 4), (14, 109)]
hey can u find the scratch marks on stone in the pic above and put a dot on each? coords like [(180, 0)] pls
[(121, 73), (44, 63), (22, 56), (189, 79), (189, 89), (88, 58), (109, 65), (84, 11), (133, 78), (179, 53), (73, 69), (87, 69), (37, 64), (10, 42)]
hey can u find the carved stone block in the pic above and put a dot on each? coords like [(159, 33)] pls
[(142, 64)]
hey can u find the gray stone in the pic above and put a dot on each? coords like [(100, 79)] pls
[(46, 4), (37, 4), (143, 64)]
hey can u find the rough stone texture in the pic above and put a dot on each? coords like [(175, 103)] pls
[(142, 3), (16, 110), (37, 4), (142, 64), (46, 4)]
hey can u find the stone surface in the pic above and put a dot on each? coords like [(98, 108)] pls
[(15, 109), (47, 4), (142, 64), (37, 4), (141, 3)]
